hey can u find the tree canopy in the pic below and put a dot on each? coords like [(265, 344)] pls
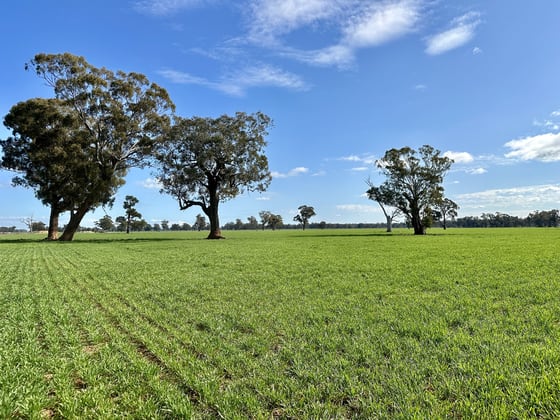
[(204, 161), (47, 152), (413, 183), (119, 116)]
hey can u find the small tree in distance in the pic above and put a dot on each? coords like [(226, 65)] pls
[(130, 211), (383, 196), (305, 213), (200, 222), (443, 209), (105, 223)]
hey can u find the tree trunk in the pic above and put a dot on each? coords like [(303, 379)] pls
[(74, 223), (444, 222), (128, 224), (389, 223), (53, 224), (417, 224), (212, 213)]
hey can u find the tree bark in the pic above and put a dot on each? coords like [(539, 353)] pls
[(74, 223), (417, 224), (212, 213), (389, 223), (53, 224)]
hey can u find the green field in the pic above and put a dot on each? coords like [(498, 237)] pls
[(286, 324)]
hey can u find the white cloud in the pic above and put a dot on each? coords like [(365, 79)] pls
[(543, 147), (165, 7), (293, 172), (366, 159), (358, 208), (381, 23), (530, 198), (238, 82), (462, 32), (476, 171), (477, 51), (360, 169), (351, 158), (555, 113), (151, 184), (359, 24), (420, 87), (272, 18), (459, 157)]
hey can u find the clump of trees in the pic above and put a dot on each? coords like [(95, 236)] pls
[(268, 219), (413, 184), (74, 150)]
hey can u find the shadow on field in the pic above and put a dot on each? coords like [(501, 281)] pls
[(82, 240), (405, 234)]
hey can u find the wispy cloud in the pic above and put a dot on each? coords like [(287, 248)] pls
[(166, 7), (477, 51), (238, 82), (542, 147), (476, 171), (367, 159), (462, 31), (356, 23), (151, 184), (526, 198), (358, 208), (293, 172)]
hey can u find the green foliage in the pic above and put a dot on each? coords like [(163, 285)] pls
[(47, 152), (105, 223), (331, 325), (205, 161), (118, 116)]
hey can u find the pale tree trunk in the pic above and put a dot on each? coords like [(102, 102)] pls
[(389, 223), (53, 224), (74, 223)]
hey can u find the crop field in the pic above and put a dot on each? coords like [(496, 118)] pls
[(286, 324)]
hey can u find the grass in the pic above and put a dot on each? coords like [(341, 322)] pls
[(285, 324)]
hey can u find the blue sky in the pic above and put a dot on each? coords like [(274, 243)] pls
[(343, 80)]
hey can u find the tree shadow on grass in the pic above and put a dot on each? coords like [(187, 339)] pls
[(98, 240)]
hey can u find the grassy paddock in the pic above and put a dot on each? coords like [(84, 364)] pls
[(352, 323)]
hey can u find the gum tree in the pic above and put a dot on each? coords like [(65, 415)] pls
[(414, 182), (119, 116), (46, 151), (384, 198), (305, 213), (204, 161)]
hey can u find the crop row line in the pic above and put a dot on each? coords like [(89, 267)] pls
[(142, 347)]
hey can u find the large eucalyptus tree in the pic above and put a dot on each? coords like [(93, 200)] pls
[(413, 183), (205, 161)]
